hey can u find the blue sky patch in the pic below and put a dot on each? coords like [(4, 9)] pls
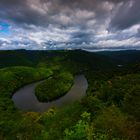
[(4, 28)]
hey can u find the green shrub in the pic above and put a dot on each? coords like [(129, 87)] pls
[(131, 103)]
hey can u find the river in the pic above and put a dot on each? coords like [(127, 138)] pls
[(25, 98)]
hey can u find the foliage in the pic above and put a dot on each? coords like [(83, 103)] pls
[(54, 87), (11, 120), (109, 111), (131, 103), (114, 124)]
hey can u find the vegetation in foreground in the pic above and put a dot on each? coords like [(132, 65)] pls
[(54, 87), (109, 111), (12, 120)]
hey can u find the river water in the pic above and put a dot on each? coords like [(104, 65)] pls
[(25, 98)]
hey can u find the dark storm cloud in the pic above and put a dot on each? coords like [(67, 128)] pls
[(39, 12), (11, 2), (78, 36), (138, 33), (20, 12), (127, 15), (31, 11), (76, 21)]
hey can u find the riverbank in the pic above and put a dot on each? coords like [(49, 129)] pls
[(25, 98)]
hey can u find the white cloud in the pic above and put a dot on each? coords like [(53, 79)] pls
[(84, 14), (117, 43), (108, 6), (38, 6)]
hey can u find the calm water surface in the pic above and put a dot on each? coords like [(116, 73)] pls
[(25, 98)]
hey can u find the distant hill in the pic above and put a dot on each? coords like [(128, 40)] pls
[(32, 58), (95, 60), (21, 58), (128, 56)]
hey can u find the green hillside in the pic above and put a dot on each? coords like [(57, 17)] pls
[(109, 111)]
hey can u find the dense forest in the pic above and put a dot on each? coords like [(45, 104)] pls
[(109, 111)]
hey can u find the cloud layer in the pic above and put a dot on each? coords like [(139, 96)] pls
[(53, 24)]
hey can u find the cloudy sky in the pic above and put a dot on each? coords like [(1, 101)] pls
[(57, 24)]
